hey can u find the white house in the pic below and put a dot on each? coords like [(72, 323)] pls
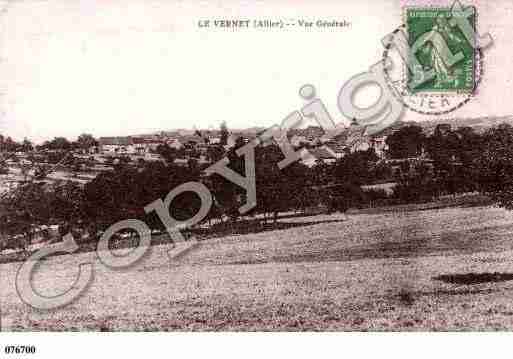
[(145, 145), (320, 154), (116, 145)]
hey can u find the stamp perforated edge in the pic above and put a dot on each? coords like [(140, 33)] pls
[(443, 93)]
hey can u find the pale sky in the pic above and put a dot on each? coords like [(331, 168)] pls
[(112, 67)]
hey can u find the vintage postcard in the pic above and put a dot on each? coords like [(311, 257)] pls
[(242, 166)]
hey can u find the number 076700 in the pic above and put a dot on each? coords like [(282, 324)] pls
[(20, 349)]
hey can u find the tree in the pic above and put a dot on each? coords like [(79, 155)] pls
[(8, 145), (26, 146), (274, 194), (67, 204), (406, 142), (123, 193), (86, 141), (224, 134), (4, 169), (443, 144), (58, 143), (356, 168), (25, 209), (453, 154), (415, 183), (228, 196), (167, 152), (215, 153), (470, 147), (495, 165)]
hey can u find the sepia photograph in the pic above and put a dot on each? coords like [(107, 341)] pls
[(255, 167)]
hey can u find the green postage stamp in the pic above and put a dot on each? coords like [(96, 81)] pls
[(441, 50)]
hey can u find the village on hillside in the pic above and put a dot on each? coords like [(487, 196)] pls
[(88, 156), (85, 160), (408, 162)]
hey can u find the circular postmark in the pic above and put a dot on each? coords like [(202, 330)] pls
[(396, 78)]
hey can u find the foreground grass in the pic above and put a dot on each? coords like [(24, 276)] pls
[(382, 271)]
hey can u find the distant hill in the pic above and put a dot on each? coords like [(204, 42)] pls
[(479, 124), (213, 132)]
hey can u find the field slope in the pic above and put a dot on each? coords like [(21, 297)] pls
[(438, 269)]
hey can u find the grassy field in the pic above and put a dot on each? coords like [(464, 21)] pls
[(430, 269)]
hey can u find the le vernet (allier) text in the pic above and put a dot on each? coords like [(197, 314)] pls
[(235, 24)]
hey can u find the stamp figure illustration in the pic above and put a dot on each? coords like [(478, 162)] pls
[(441, 49)]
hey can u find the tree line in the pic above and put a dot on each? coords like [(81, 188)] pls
[(422, 166), (448, 161), (124, 192), (84, 141)]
